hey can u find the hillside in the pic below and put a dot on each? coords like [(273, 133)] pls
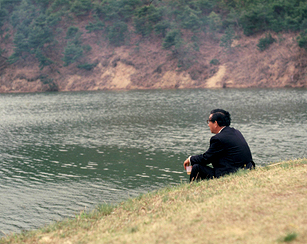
[(142, 61), (266, 205), (151, 67)]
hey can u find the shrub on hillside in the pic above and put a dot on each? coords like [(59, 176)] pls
[(227, 38), (53, 19), (9, 4), (39, 36), (206, 6), (189, 19), (273, 15), (265, 42), (49, 82), (181, 50), (21, 48), (71, 32), (23, 15), (214, 61), (109, 10), (116, 33), (72, 53), (172, 39), (43, 60), (59, 6), (3, 15), (145, 19), (93, 27), (161, 27), (81, 7), (214, 22), (86, 48), (254, 19), (42, 3), (87, 66), (302, 39)]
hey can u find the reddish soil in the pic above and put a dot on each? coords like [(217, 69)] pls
[(147, 65)]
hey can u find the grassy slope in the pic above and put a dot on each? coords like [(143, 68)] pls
[(267, 205)]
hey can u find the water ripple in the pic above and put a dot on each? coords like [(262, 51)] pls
[(62, 153)]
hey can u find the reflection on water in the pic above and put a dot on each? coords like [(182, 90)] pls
[(65, 152)]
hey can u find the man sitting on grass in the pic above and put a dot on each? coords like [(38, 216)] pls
[(227, 153)]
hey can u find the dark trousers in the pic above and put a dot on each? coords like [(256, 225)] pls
[(200, 172)]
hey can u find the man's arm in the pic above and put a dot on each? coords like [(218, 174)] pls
[(186, 163), (211, 155)]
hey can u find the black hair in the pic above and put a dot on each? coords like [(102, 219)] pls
[(221, 116)]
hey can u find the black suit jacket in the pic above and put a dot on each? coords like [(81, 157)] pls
[(227, 153)]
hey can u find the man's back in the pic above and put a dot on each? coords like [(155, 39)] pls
[(234, 151)]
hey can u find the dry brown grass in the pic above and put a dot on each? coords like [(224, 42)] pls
[(266, 205)]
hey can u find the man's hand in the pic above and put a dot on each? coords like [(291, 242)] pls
[(186, 163)]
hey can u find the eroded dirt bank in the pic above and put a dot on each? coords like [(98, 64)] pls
[(148, 66)]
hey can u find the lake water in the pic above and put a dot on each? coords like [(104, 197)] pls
[(61, 153)]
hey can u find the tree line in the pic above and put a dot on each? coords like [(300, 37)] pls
[(38, 27)]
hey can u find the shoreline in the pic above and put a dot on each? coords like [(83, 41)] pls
[(265, 205), (157, 89)]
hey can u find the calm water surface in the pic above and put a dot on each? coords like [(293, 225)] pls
[(61, 153)]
